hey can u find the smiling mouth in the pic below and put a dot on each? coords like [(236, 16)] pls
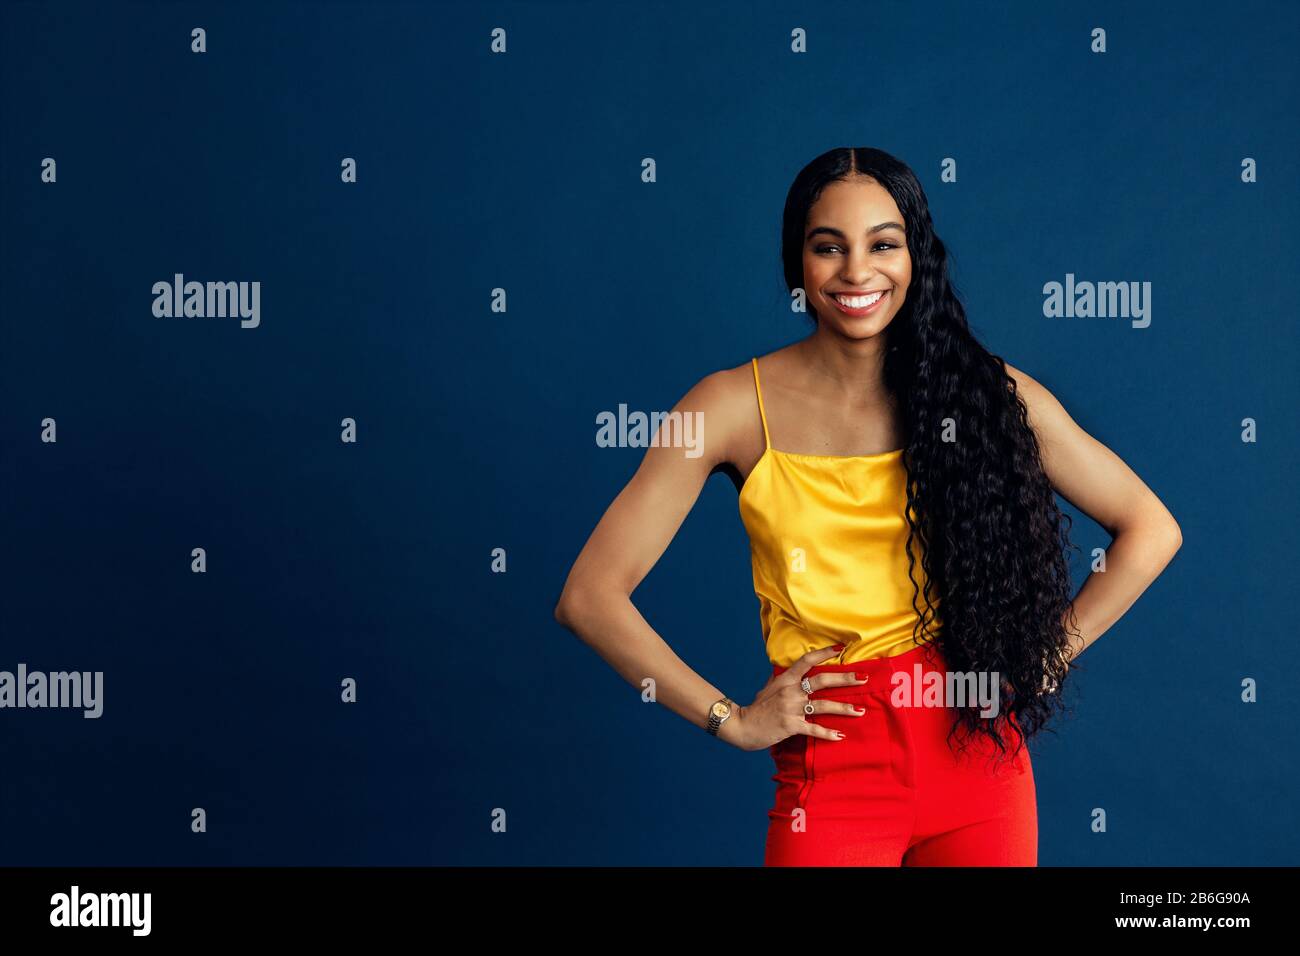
[(859, 304)]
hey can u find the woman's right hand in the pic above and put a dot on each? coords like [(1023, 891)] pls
[(778, 710)]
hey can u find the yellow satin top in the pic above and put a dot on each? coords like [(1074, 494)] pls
[(827, 539)]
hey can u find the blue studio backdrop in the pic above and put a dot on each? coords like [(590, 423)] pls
[(1151, 143)]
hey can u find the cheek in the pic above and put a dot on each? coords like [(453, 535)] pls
[(903, 277), (815, 273), (815, 277)]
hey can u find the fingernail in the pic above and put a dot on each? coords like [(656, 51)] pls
[(861, 711), (839, 735)]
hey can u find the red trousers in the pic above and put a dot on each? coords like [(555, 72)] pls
[(893, 792)]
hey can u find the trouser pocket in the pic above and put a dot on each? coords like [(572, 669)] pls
[(793, 758), (865, 764), (809, 768)]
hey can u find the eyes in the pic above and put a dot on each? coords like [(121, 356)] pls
[(826, 248)]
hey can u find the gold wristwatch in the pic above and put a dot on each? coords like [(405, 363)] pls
[(719, 714)]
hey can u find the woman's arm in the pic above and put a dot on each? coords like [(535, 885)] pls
[(634, 532), (1090, 476)]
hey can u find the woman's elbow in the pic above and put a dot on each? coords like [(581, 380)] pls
[(1178, 537), (564, 611), (1169, 539), (1172, 533), (1159, 529), (568, 607), (583, 600)]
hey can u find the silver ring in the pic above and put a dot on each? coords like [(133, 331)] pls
[(808, 708), (807, 687)]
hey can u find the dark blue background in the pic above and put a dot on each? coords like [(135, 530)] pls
[(477, 429)]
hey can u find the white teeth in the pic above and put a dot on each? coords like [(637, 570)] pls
[(861, 301)]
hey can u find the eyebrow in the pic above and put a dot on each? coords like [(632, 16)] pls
[(828, 230)]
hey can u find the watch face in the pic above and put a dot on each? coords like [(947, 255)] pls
[(720, 709)]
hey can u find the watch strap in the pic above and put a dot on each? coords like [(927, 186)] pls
[(716, 722)]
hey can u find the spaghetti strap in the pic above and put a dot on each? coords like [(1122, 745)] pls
[(762, 413)]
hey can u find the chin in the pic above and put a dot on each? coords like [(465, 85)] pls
[(858, 331)]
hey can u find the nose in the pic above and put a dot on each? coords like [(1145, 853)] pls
[(857, 268)]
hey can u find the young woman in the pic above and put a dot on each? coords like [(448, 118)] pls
[(897, 482)]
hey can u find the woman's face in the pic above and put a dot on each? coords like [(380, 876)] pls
[(855, 247)]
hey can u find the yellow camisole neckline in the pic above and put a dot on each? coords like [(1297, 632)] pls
[(827, 538)]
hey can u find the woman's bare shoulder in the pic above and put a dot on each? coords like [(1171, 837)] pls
[(728, 402), (724, 393), (733, 393), (1039, 401)]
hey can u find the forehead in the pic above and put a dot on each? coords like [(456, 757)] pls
[(854, 201)]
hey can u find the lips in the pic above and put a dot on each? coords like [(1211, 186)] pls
[(859, 303)]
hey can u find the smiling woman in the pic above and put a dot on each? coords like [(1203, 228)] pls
[(898, 484)]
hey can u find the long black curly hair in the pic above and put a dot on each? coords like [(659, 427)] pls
[(992, 537)]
